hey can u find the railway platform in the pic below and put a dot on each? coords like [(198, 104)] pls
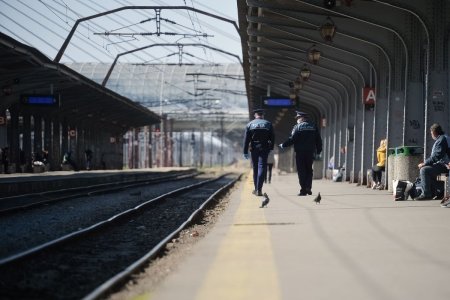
[(356, 244)]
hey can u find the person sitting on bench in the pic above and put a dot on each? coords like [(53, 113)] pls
[(377, 170), (435, 164)]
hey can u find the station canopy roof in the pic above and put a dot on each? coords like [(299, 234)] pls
[(25, 70)]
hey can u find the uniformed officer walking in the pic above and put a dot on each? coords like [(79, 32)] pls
[(307, 142), (260, 138)]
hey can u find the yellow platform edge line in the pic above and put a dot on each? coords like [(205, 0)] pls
[(244, 266)]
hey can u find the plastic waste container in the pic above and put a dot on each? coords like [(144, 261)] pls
[(318, 169), (406, 160)]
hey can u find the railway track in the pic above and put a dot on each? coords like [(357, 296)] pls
[(21, 202), (89, 262)]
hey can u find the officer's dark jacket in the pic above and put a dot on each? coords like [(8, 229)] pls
[(306, 138), (259, 134)]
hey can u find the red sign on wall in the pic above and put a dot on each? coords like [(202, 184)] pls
[(369, 97)]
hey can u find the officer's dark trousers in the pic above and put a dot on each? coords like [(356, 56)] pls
[(304, 161), (259, 163)]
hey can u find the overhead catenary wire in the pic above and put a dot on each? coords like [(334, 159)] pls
[(12, 33), (200, 25), (183, 14), (125, 20), (65, 15), (114, 19), (49, 29), (192, 22), (119, 49), (67, 8), (125, 3), (208, 25)]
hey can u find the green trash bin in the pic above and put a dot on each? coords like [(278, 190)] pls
[(409, 150), (406, 160)]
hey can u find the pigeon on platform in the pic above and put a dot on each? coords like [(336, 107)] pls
[(265, 200), (317, 199)]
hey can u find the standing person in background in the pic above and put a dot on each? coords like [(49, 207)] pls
[(259, 139), (5, 159), (307, 143), (22, 160), (270, 162), (377, 170), (45, 160), (88, 157), (67, 160)]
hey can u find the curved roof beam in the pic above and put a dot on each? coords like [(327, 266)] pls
[(323, 94), (388, 29), (321, 67), (336, 48), (287, 14), (361, 40), (331, 96), (291, 58), (328, 94), (74, 28), (331, 134), (324, 85), (339, 75), (327, 107), (273, 25), (267, 37), (346, 96), (427, 65)]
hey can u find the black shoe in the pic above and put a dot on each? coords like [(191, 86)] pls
[(259, 193), (265, 201), (309, 192), (301, 194), (422, 197)]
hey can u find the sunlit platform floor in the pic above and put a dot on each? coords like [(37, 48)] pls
[(358, 243)]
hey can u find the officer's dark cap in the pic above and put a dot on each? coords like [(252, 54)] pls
[(300, 114), (259, 111)]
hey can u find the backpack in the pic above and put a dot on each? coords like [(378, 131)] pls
[(416, 189)]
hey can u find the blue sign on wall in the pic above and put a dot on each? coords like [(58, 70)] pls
[(40, 100), (278, 102)]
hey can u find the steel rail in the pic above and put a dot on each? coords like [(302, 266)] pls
[(99, 225), (88, 191), (121, 277)]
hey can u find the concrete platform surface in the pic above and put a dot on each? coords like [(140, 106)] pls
[(357, 244)]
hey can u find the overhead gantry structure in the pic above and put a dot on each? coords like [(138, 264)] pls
[(374, 70)]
